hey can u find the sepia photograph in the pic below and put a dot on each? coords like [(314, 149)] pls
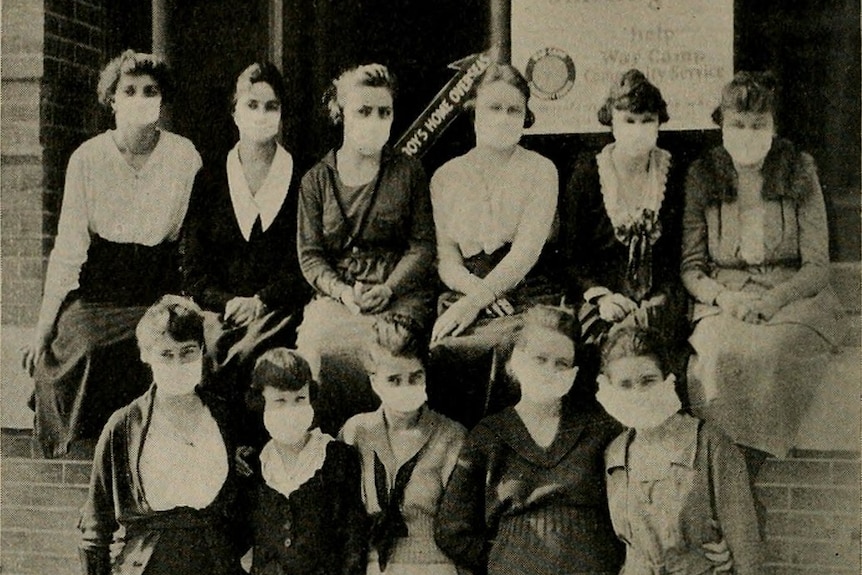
[(447, 287)]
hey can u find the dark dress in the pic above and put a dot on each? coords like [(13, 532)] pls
[(219, 263), (513, 507), (178, 540), (320, 529)]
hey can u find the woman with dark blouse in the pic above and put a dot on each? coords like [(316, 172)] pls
[(239, 250), (365, 241), (621, 218)]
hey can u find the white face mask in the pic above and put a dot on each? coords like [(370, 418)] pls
[(137, 110), (635, 140), (746, 146), (401, 399), (367, 135), (643, 408), (257, 125), (540, 384), (173, 379), (288, 424)]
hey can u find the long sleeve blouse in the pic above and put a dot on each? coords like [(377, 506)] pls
[(391, 215), (220, 262), (105, 196)]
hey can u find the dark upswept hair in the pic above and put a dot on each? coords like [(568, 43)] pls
[(366, 75), (636, 341), (283, 369), (510, 75), (748, 92), (135, 64), (399, 335), (633, 93), (177, 317), (260, 72), (559, 319)]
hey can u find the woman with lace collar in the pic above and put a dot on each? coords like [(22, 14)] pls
[(620, 219)]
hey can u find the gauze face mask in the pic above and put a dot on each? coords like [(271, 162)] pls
[(289, 423), (257, 125), (747, 146), (540, 384), (137, 110), (643, 408), (636, 139), (402, 399), (174, 379), (368, 135)]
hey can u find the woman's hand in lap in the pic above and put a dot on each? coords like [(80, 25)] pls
[(32, 352), (241, 311), (740, 305), (764, 309), (348, 298), (456, 319), (614, 307), (374, 299), (501, 308)]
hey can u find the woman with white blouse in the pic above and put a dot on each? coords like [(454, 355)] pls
[(494, 209), (124, 201)]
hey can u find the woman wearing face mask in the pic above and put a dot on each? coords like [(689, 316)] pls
[(756, 261), (163, 469), (239, 239), (306, 513), (621, 220), (124, 201), (366, 239), (494, 210), (678, 491), (528, 493), (408, 453)]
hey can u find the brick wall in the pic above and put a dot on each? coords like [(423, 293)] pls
[(812, 502)]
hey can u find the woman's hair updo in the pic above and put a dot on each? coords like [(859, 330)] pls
[(635, 94), (367, 75), (134, 64), (754, 92), (174, 316), (260, 72), (510, 75), (562, 320)]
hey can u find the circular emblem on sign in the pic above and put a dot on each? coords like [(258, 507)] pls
[(551, 73)]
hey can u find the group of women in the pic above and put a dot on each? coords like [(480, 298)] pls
[(734, 245)]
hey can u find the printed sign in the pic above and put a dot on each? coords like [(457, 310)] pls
[(571, 51)]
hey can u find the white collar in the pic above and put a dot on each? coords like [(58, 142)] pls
[(310, 459), (659, 163), (269, 198)]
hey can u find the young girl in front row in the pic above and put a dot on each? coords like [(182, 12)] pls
[(528, 493), (678, 489), (408, 453), (306, 513)]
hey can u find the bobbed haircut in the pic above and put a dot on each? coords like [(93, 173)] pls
[(134, 64), (398, 335), (635, 341), (560, 320), (748, 92), (174, 316), (366, 75), (282, 369), (260, 72), (635, 94), (510, 75)]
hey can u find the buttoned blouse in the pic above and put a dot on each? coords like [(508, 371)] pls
[(104, 195)]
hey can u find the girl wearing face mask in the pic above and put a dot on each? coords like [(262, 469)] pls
[(678, 490), (494, 210), (620, 218), (408, 453), (239, 239), (125, 197), (528, 493), (366, 238), (755, 259), (306, 514), (163, 468)]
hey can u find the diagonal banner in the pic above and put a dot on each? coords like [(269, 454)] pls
[(445, 106)]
